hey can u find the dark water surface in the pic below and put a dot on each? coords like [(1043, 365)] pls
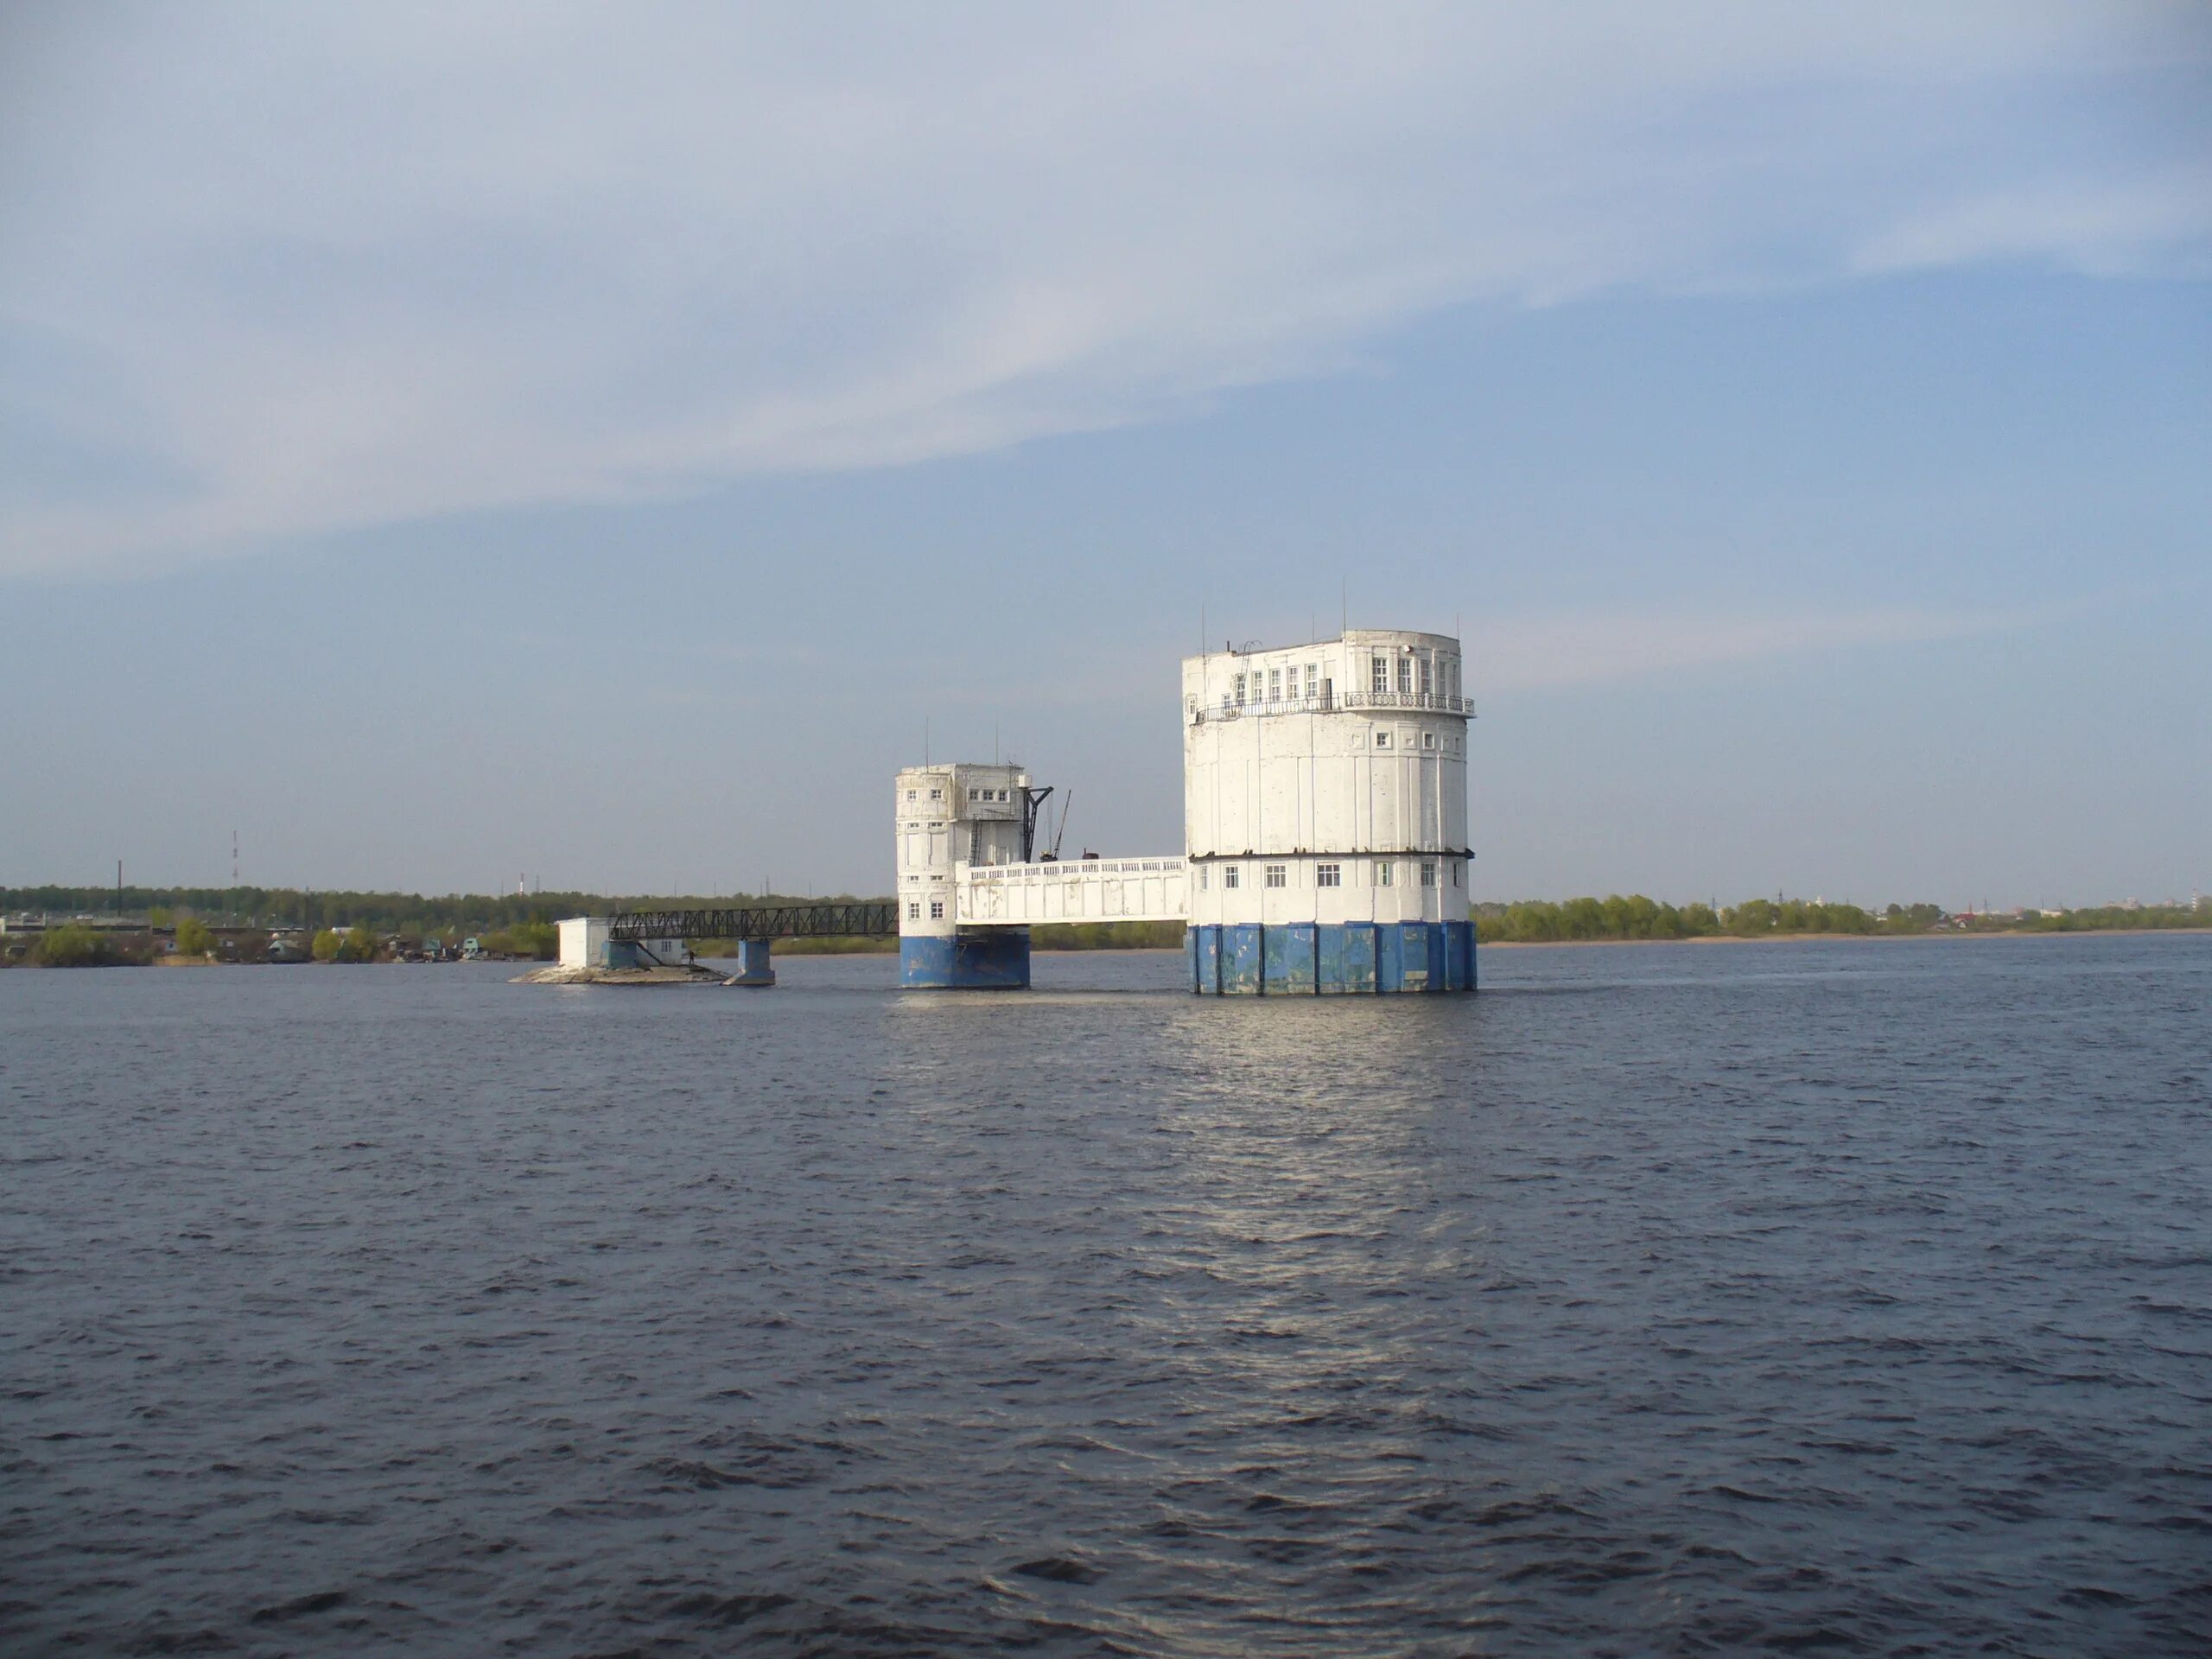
[(1849, 1298)]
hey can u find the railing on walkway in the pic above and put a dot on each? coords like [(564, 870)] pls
[(1052, 869)]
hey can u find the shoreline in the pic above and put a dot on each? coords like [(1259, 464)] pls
[(1850, 938)]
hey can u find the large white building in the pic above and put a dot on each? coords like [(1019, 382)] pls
[(1325, 816)]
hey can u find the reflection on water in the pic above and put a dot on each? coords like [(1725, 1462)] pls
[(1847, 1296)]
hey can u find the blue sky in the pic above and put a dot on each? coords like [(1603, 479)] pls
[(464, 443)]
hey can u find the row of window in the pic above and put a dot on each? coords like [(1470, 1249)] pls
[(1425, 668), (937, 910), (1421, 672), (1273, 684), (1449, 745), (973, 795), (1381, 872)]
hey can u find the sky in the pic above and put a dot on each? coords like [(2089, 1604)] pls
[(456, 444)]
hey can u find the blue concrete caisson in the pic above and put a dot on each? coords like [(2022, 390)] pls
[(1331, 958), (969, 959)]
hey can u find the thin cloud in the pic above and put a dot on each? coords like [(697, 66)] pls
[(1551, 650), (2105, 228), (269, 272)]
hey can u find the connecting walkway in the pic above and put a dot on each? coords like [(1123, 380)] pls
[(1073, 890), (983, 895)]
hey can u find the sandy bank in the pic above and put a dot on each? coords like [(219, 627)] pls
[(678, 976)]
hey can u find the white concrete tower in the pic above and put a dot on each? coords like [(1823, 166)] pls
[(1324, 816), (946, 815)]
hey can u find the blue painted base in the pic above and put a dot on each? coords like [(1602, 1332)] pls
[(973, 959), (1331, 958), (754, 967)]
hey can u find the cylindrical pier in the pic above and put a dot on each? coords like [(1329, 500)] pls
[(1331, 958), (968, 959)]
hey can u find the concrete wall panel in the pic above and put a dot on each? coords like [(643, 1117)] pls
[(1347, 959), (1290, 960), (1240, 959)]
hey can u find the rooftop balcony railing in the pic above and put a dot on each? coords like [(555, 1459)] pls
[(1433, 702)]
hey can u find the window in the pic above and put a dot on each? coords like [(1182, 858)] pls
[(1278, 876), (910, 794), (1405, 676), (914, 911), (1312, 679), (1275, 686), (975, 794), (1385, 873), (1003, 795), (1456, 869), (1230, 876), (1328, 875), (1428, 872), (1379, 678), (1240, 690), (936, 794), (937, 910), (937, 823), (1203, 873), (1428, 676), (1381, 739), (1428, 739)]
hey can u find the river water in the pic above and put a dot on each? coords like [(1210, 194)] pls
[(1848, 1297)]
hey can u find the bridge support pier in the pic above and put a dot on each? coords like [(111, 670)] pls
[(967, 959), (754, 967)]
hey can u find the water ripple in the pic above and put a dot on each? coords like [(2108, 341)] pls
[(1831, 1300)]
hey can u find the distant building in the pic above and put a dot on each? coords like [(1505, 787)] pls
[(585, 942)]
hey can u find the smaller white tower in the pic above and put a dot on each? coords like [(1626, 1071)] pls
[(946, 815)]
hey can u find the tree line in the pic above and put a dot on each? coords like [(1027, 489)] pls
[(407, 915), (1635, 917), (352, 925)]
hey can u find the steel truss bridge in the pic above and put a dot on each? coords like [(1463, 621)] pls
[(758, 922)]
